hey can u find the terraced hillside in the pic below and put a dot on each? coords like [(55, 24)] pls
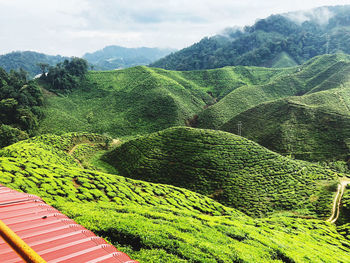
[(141, 100), (161, 223), (311, 127), (231, 169)]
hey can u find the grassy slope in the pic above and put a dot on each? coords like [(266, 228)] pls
[(310, 127), (124, 102), (282, 60), (141, 100), (324, 72), (231, 169), (159, 223)]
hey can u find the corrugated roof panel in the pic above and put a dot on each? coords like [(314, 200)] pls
[(54, 236)]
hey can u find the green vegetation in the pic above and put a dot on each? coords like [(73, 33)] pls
[(231, 169), (141, 100), (277, 41), (20, 110), (65, 76), (311, 127), (123, 103), (28, 61), (324, 72), (154, 222)]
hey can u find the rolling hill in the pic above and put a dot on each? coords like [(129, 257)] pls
[(141, 99), (311, 127), (277, 41), (320, 73), (231, 169), (155, 222)]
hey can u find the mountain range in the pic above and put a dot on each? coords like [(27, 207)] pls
[(277, 41)]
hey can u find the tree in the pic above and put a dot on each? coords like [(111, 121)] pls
[(43, 67)]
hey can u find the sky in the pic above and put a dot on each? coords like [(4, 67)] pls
[(74, 27)]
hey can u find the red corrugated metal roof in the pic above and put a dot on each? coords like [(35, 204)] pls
[(54, 236)]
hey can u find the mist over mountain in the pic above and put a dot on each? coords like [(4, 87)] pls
[(277, 41), (116, 57)]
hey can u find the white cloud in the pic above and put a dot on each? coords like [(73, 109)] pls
[(73, 27)]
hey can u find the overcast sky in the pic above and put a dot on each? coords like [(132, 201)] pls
[(74, 27)]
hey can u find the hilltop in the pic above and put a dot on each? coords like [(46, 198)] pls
[(298, 113), (311, 127), (231, 169), (282, 40), (155, 222), (141, 100), (123, 103)]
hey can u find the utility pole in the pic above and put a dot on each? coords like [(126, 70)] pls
[(239, 128)]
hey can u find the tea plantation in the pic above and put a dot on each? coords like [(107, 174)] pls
[(141, 100), (231, 169), (320, 73), (311, 127), (162, 223)]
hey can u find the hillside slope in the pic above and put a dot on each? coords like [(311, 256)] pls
[(140, 100), (161, 223), (231, 169), (311, 127), (320, 73), (277, 41)]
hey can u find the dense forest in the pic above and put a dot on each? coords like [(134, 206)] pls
[(20, 103), (277, 41), (28, 61)]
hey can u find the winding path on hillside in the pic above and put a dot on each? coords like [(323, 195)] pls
[(337, 200), (114, 143)]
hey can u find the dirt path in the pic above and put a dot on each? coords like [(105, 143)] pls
[(75, 159), (337, 200), (115, 142), (73, 149)]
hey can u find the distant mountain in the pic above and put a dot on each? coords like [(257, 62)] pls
[(277, 41), (28, 61), (116, 57)]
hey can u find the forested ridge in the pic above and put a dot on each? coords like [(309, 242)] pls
[(277, 41)]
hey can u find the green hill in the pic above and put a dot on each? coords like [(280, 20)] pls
[(161, 223), (310, 127), (279, 40), (141, 100), (231, 169), (320, 73)]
